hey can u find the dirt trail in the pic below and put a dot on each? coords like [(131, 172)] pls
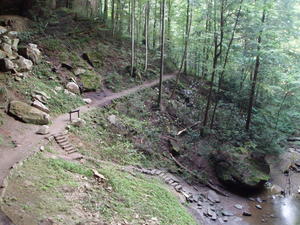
[(29, 142)]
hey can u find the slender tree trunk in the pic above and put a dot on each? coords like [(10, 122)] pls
[(255, 74), (162, 43), (132, 36), (105, 13), (113, 15), (225, 63), (217, 54), (169, 36), (187, 27), (147, 9), (154, 26), (186, 41)]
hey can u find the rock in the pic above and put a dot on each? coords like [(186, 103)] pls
[(73, 87), (27, 113), (245, 213), (112, 119), (276, 189), (292, 139), (258, 206), (6, 65), (213, 196), (90, 81), (6, 48), (78, 122), (78, 71), (42, 148), (58, 88), (31, 52), (210, 212), (214, 216), (297, 163), (43, 130), (24, 65), (69, 93), (39, 98), (87, 57), (12, 34), (87, 100), (42, 94), (240, 171), (259, 200), (3, 30), (6, 40), (67, 66), (227, 213), (15, 43), (238, 206), (37, 104), (2, 54)]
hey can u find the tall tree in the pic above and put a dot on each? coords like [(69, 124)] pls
[(132, 36), (189, 16), (255, 72), (162, 45), (147, 13), (218, 44)]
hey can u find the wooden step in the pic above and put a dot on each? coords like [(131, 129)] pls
[(67, 146)]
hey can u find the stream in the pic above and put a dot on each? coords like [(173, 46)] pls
[(280, 209)]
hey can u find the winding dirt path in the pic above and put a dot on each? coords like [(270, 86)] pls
[(29, 142)]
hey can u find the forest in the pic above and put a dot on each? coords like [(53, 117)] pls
[(156, 112)]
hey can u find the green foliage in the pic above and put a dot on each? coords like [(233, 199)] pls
[(60, 164), (44, 80)]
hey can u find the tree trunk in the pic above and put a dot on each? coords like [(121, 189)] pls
[(217, 54), (147, 9), (255, 74), (154, 26), (132, 36), (113, 15), (162, 43), (189, 16), (225, 63)]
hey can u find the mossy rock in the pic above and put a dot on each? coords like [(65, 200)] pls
[(27, 113), (94, 58), (90, 81), (240, 171)]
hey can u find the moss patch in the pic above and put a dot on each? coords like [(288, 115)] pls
[(90, 81), (67, 193)]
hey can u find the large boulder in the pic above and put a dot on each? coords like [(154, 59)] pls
[(31, 52), (90, 81), (6, 48), (3, 30), (240, 171), (6, 65), (24, 65), (27, 113), (73, 87)]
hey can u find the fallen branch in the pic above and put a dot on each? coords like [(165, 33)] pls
[(208, 184), (185, 129)]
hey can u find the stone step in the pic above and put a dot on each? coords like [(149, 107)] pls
[(69, 149), (67, 146), (59, 135), (70, 152), (61, 138), (63, 142)]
